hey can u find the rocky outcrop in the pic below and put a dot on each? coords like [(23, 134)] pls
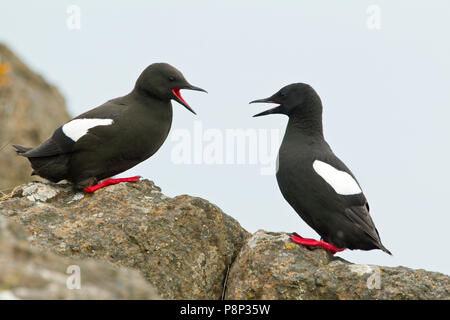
[(182, 245), (187, 248), (30, 273), (30, 109), (270, 266)]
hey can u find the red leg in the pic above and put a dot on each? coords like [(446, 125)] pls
[(315, 243), (109, 182)]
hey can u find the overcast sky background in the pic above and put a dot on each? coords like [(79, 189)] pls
[(385, 93)]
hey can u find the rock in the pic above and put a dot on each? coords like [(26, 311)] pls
[(30, 110), (186, 247), (30, 273), (270, 266), (182, 245)]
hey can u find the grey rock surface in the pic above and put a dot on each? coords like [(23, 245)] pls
[(270, 266), (182, 245), (187, 248), (30, 273)]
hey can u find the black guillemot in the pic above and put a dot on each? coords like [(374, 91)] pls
[(113, 137), (319, 186)]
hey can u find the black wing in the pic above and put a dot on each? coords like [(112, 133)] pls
[(356, 207), (59, 143)]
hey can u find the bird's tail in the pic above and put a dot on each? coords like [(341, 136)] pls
[(381, 247), (53, 168), (21, 150)]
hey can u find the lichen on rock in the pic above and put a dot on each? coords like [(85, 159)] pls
[(270, 266), (187, 248), (30, 273), (182, 245)]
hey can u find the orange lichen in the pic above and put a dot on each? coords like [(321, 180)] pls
[(5, 68)]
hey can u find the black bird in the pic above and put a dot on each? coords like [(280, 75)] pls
[(319, 186), (113, 137)]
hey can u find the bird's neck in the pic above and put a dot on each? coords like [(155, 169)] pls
[(145, 97), (149, 103), (143, 94), (307, 121)]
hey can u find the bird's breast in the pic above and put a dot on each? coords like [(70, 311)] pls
[(142, 134)]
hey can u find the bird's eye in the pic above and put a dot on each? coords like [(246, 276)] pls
[(171, 78), (282, 94)]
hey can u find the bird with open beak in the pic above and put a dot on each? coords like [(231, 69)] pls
[(113, 137), (314, 181)]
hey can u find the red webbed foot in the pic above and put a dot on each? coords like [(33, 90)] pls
[(109, 182), (315, 243)]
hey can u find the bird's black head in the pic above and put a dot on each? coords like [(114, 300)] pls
[(164, 82), (293, 98)]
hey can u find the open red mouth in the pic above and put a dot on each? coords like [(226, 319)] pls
[(176, 92), (179, 98)]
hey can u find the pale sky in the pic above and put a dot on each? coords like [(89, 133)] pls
[(385, 93)]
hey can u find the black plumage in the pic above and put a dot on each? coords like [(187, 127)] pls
[(115, 136), (319, 186)]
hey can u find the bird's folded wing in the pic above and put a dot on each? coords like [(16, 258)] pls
[(65, 137), (360, 216), (56, 145)]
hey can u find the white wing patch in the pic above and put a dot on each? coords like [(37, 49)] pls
[(340, 181), (77, 128)]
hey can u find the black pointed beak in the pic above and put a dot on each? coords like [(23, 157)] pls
[(179, 98), (266, 100), (191, 87), (270, 111)]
